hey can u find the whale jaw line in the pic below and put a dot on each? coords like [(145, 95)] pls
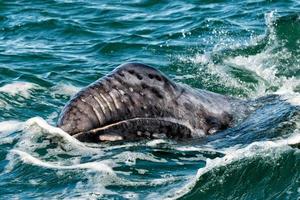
[(137, 128)]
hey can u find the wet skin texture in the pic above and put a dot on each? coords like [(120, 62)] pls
[(138, 101)]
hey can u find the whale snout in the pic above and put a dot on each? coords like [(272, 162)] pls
[(77, 118)]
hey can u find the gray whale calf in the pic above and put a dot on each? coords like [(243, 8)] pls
[(138, 101)]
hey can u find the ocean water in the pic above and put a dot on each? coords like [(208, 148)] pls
[(247, 49)]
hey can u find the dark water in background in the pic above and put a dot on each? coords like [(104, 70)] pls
[(247, 49)]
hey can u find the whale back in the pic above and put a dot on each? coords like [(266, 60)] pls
[(138, 100)]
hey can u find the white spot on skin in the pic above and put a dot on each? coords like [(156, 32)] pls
[(159, 135), (139, 133), (122, 92), (212, 131), (110, 138)]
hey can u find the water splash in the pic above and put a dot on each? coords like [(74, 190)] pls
[(265, 149), (8, 127), (260, 60), (23, 89), (97, 166), (65, 89)]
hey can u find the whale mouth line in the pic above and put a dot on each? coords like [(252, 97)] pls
[(134, 128)]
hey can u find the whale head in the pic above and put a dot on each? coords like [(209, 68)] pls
[(136, 100)]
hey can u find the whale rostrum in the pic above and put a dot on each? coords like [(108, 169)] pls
[(138, 101)]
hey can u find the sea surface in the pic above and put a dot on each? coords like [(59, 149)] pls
[(249, 49)]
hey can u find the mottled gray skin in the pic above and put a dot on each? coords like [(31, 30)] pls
[(137, 101)]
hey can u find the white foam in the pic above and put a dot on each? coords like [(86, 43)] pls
[(255, 63), (129, 158), (183, 77), (263, 148), (97, 166), (287, 90), (23, 89), (154, 143), (270, 19), (267, 72), (209, 70), (203, 59), (263, 65), (7, 127), (65, 89), (131, 195), (38, 122), (292, 140)]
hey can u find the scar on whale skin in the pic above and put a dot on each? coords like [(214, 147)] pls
[(138, 101)]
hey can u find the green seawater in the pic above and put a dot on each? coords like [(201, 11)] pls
[(247, 49)]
